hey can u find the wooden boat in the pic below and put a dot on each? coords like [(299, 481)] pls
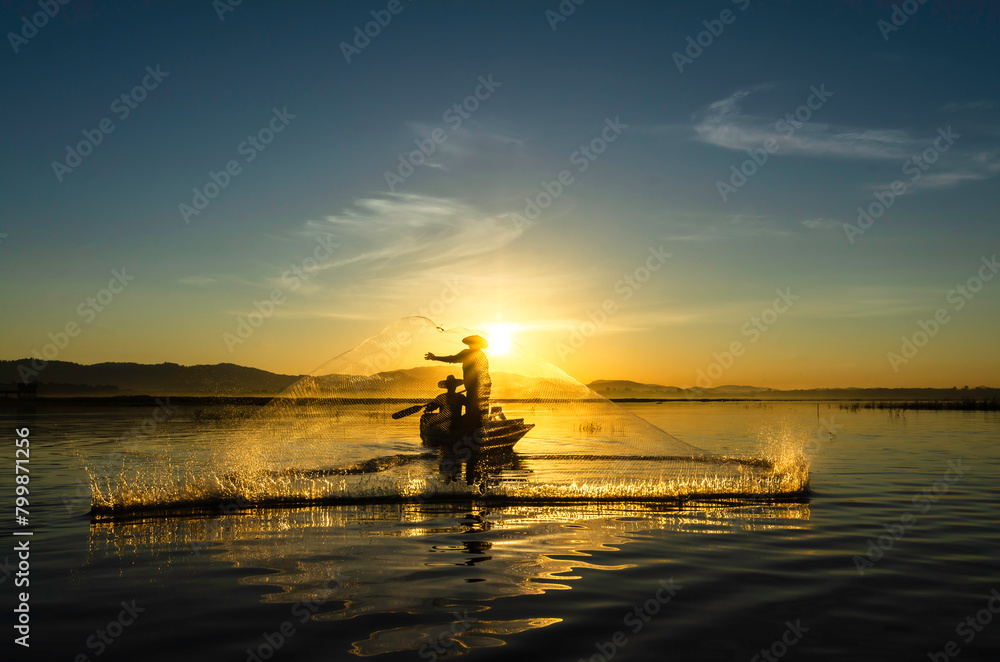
[(498, 432)]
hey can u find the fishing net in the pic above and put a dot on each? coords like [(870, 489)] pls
[(332, 436)]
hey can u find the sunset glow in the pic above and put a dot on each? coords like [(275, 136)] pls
[(499, 336), (637, 220)]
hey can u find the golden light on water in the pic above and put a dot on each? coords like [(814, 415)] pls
[(579, 446)]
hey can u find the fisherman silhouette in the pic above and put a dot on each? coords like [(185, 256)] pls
[(445, 411), (476, 373)]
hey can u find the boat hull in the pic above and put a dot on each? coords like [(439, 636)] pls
[(495, 435)]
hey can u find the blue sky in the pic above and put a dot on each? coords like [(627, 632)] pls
[(324, 175)]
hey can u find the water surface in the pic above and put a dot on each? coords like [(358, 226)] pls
[(412, 581)]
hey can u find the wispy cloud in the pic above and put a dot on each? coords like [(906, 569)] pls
[(724, 123), (947, 179), (470, 142), (967, 166), (408, 231), (395, 253), (822, 224)]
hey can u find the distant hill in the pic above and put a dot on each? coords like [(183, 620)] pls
[(422, 382), (66, 378), (626, 386), (63, 378)]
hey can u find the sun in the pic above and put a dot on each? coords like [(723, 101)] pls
[(499, 337)]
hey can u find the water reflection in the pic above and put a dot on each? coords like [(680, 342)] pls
[(445, 565), (483, 471)]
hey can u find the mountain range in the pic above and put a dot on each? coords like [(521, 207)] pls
[(67, 378), (64, 378)]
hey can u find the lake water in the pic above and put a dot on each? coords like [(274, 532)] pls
[(893, 551)]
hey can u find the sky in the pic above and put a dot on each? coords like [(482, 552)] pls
[(661, 192)]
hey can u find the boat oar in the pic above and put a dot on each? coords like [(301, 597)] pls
[(403, 413)]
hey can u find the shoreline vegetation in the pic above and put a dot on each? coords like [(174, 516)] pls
[(971, 404)]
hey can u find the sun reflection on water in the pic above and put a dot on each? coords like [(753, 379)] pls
[(428, 561)]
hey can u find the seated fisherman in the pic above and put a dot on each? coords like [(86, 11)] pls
[(448, 406)]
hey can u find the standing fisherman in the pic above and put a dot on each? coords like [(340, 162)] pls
[(476, 374)]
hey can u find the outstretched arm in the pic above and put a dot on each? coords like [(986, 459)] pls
[(456, 358)]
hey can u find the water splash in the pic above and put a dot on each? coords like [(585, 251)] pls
[(330, 438)]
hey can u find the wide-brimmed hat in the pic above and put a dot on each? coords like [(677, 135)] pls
[(449, 381), (476, 341)]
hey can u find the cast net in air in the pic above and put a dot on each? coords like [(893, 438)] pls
[(332, 437)]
